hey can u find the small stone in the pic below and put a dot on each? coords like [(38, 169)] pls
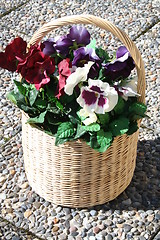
[(27, 213), (55, 220), (109, 222), (142, 238), (102, 217), (109, 237), (150, 218), (12, 172), (67, 211), (2, 196), (96, 230), (24, 185), (16, 238), (127, 202), (37, 204), (93, 213), (157, 216), (73, 229), (2, 179), (55, 229), (127, 227), (63, 236)]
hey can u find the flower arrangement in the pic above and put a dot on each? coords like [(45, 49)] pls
[(72, 89)]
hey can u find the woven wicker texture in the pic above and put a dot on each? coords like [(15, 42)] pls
[(73, 174)]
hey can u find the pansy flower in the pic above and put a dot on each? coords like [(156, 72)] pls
[(82, 55), (49, 47), (128, 89), (121, 67), (98, 97), (36, 67), (16, 49), (80, 75), (78, 35), (88, 118), (64, 73)]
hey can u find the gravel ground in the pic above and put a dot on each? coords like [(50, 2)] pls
[(135, 214)]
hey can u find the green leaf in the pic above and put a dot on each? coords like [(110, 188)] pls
[(80, 131), (94, 127), (119, 126), (138, 108), (32, 96), (11, 96), (104, 119), (119, 108), (65, 131), (53, 119), (133, 127), (103, 55), (92, 44), (53, 109), (93, 142), (104, 140), (27, 109), (20, 87), (38, 119)]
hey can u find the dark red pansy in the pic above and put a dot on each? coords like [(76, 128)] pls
[(36, 67), (16, 49)]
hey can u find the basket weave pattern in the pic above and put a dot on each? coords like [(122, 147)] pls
[(73, 174)]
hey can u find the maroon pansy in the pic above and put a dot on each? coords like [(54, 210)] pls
[(16, 49)]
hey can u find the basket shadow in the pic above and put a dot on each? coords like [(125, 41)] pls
[(143, 192)]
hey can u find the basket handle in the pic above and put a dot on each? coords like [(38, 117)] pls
[(103, 24)]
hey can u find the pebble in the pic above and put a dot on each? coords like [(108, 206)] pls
[(93, 213), (27, 213), (55, 229)]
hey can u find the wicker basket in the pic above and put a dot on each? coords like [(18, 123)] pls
[(73, 174)]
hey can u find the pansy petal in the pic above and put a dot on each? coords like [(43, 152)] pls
[(80, 35), (129, 89), (92, 118), (121, 51), (49, 48), (78, 76), (84, 54), (87, 100)]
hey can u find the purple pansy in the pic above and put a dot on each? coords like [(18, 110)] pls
[(80, 35), (77, 34), (98, 97), (82, 55), (121, 67), (49, 48), (62, 45)]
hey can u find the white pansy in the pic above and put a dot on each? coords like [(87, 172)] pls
[(129, 89), (76, 77), (89, 118)]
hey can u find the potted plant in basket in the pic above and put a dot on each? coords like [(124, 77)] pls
[(72, 89), (81, 109)]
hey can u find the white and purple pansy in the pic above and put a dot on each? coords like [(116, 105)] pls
[(98, 97), (80, 75), (128, 89)]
